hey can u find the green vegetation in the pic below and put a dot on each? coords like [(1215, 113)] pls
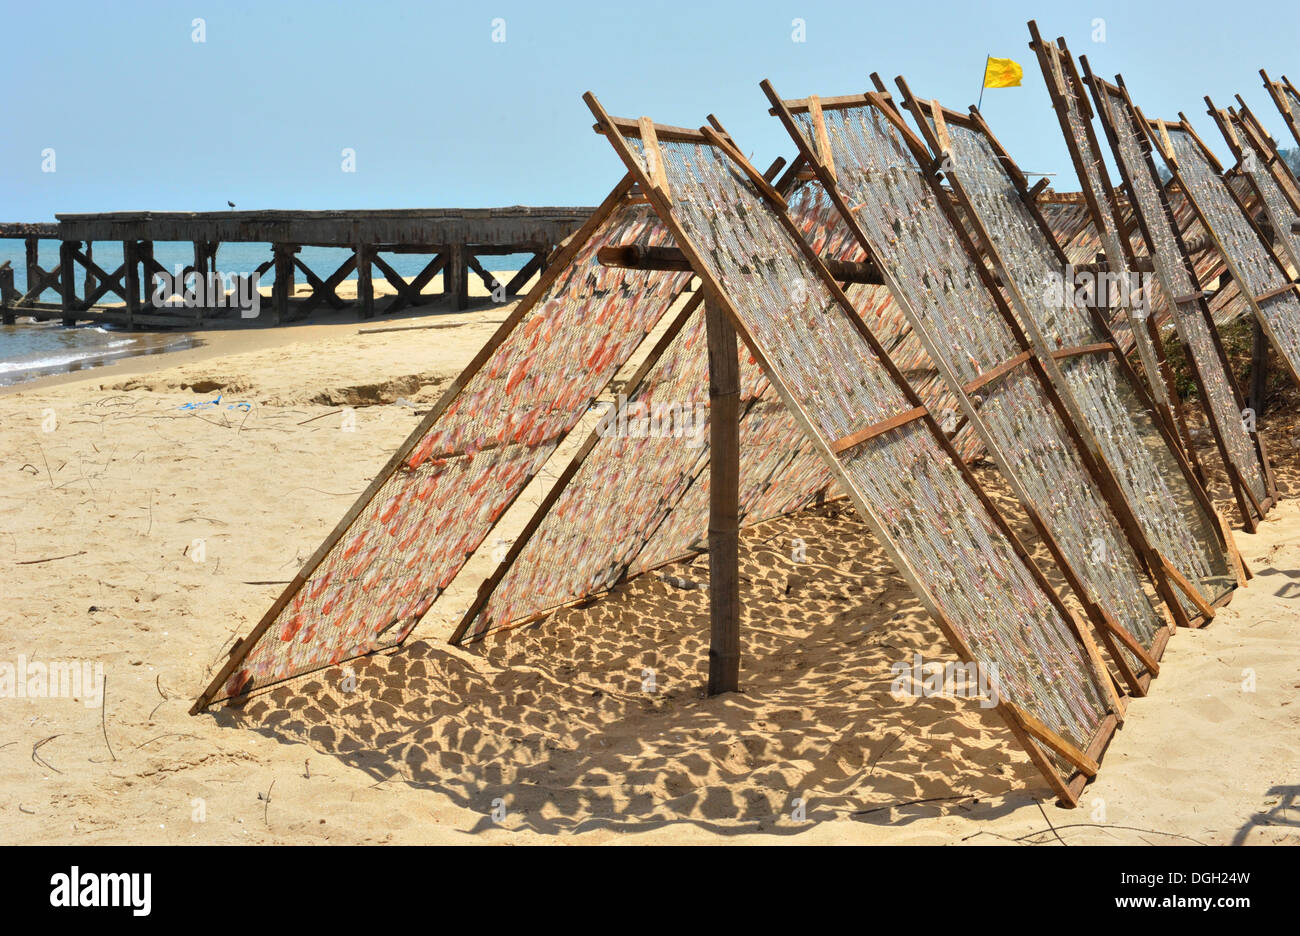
[(1236, 339)]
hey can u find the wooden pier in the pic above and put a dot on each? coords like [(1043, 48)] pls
[(454, 240)]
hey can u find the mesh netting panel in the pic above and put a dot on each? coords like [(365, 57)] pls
[(914, 239), (1176, 281), (1206, 260), (904, 483), (1081, 246), (1256, 268), (804, 475), (414, 535), (1072, 228), (793, 472), (1148, 472), (1227, 305), (1209, 191), (1111, 239), (616, 500), (640, 497), (1282, 312), (816, 216), (1265, 149)]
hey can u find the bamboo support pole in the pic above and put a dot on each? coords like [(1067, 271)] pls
[(724, 497)]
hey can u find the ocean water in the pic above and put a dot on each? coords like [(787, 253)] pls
[(28, 351)]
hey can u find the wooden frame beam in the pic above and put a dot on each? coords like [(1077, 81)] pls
[(68, 279), (854, 439), (364, 258), (520, 279), (455, 277), (325, 290), (724, 497), (636, 257)]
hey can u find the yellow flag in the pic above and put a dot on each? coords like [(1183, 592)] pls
[(1002, 73)]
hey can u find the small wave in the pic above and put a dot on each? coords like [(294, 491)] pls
[(25, 364), (46, 361)]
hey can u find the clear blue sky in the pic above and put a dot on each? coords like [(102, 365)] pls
[(140, 116)]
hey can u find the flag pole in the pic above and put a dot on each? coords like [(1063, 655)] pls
[(984, 77)]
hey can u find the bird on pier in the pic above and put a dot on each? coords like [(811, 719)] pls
[(230, 203)]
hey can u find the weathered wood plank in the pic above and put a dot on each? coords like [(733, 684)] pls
[(365, 289)]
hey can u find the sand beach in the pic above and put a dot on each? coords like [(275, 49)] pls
[(153, 509)]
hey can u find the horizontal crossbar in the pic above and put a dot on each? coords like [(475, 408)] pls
[(989, 376), (1274, 293), (875, 429), (1062, 353), (636, 257)]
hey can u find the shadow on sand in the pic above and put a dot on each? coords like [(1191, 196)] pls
[(598, 717), (1286, 814)]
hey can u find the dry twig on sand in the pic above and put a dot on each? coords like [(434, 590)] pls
[(103, 722), (50, 559), (36, 758)]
